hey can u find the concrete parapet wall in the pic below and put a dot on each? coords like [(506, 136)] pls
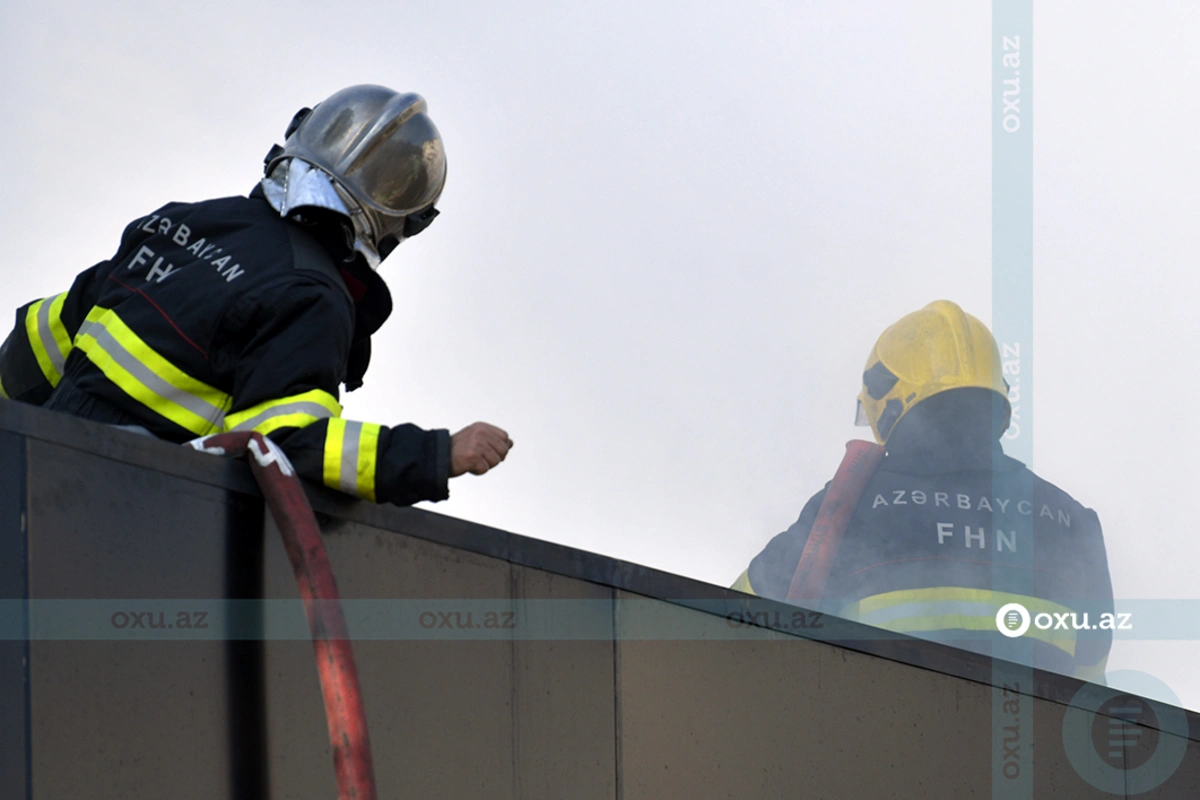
[(597, 679)]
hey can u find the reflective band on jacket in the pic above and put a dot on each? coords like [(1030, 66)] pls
[(297, 411), (3, 393), (350, 449), (944, 608), (742, 584), (1092, 672), (48, 336), (149, 378)]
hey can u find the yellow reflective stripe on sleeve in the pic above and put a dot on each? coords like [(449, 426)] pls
[(297, 411), (36, 345), (335, 433), (368, 448), (742, 584), (351, 455), (3, 394), (58, 331), (941, 608), (148, 377), (43, 328)]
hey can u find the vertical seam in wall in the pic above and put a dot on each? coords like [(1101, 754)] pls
[(619, 787), (23, 459), (514, 695), (245, 531)]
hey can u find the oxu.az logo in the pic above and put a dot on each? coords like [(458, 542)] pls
[(1121, 742), (1014, 620)]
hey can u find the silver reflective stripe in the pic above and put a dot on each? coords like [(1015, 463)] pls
[(109, 344), (351, 439), (935, 609), (303, 407), (57, 359)]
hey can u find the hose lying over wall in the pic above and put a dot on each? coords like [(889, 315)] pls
[(322, 605)]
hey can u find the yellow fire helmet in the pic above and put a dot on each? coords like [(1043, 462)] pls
[(938, 348)]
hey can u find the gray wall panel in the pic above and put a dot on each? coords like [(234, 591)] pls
[(123, 718), (449, 718), (1183, 781), (753, 713), (439, 712), (565, 725), (1053, 774)]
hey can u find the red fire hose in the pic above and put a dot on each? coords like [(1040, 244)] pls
[(808, 584), (322, 605)]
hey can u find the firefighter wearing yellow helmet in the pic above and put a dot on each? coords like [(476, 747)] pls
[(949, 529), (934, 350)]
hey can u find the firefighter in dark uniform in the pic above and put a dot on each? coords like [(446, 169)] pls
[(247, 313), (949, 530)]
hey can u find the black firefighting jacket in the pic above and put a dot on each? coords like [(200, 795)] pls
[(219, 316), (943, 538)]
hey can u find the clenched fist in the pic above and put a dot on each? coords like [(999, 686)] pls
[(477, 448)]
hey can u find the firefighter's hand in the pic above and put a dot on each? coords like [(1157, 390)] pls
[(477, 448)]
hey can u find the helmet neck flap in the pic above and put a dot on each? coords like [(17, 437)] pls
[(294, 184)]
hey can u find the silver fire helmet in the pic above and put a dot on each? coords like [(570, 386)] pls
[(384, 155)]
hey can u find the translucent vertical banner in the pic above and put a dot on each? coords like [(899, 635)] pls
[(1012, 324)]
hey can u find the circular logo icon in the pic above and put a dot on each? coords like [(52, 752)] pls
[(1012, 620), (1121, 742)]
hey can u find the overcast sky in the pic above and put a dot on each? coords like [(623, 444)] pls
[(672, 232)]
